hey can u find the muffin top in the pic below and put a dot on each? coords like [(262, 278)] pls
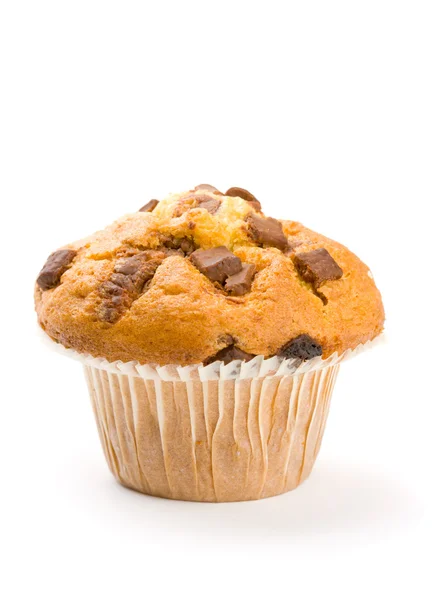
[(203, 276)]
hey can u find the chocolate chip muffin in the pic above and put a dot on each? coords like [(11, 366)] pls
[(211, 336), (203, 276)]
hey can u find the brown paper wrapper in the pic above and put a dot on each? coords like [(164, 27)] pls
[(221, 433)]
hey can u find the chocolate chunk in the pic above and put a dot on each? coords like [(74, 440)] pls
[(123, 281), (148, 261), (139, 262), (57, 263), (238, 192), (266, 230), (210, 204), (111, 290), (187, 246), (226, 355), (144, 275), (130, 279), (317, 266), (115, 301), (216, 263), (169, 241), (131, 265), (150, 206), (207, 186), (303, 347), (182, 245), (240, 283)]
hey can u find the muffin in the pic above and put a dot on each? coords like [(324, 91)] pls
[(211, 336)]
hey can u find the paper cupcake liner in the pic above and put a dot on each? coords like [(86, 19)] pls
[(219, 433)]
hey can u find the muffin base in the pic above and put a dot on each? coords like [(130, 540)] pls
[(221, 440)]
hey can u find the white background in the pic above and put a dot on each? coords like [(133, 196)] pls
[(331, 113)]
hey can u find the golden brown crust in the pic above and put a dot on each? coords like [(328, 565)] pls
[(182, 317)]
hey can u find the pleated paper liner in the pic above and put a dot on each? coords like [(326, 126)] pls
[(220, 433)]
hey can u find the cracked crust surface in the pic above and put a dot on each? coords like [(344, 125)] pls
[(179, 316)]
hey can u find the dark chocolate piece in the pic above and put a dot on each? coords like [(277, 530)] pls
[(216, 263), (115, 300), (130, 279), (57, 263), (130, 265), (303, 347), (150, 206), (144, 275), (238, 192), (187, 246), (210, 204), (226, 355), (240, 283), (184, 246), (123, 281), (111, 290), (141, 268), (266, 230), (317, 267)]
